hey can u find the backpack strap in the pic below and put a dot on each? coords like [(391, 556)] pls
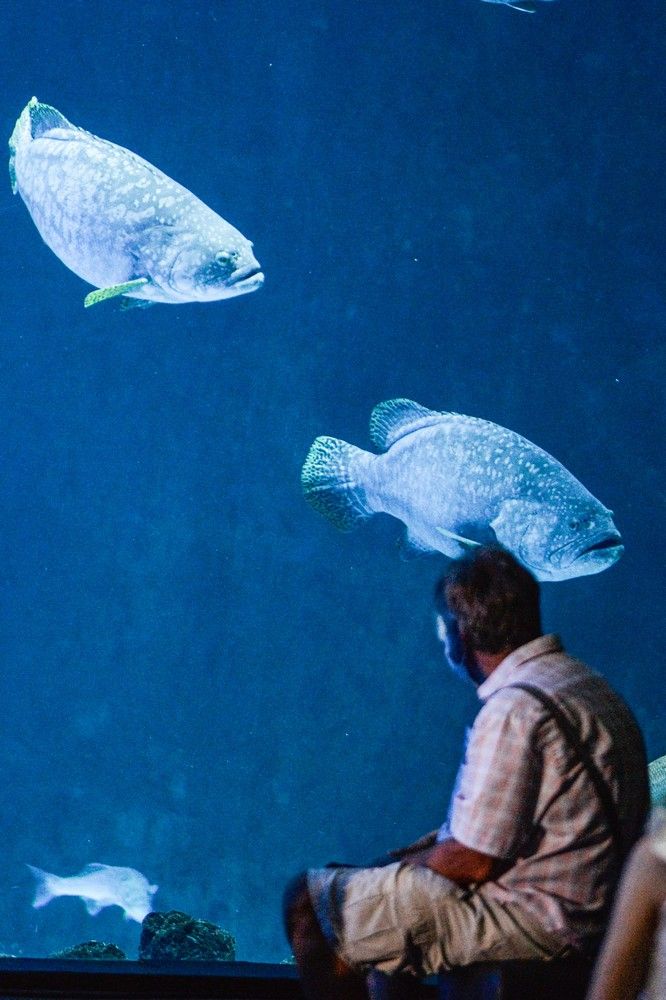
[(584, 756)]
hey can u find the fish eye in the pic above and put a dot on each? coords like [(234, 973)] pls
[(224, 256), (583, 521)]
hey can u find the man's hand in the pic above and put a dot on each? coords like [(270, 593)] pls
[(455, 861)]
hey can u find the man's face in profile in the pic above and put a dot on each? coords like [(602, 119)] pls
[(459, 658)]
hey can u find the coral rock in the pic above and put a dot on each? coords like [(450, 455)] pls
[(92, 949), (175, 936)]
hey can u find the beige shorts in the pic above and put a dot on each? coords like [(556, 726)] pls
[(405, 918)]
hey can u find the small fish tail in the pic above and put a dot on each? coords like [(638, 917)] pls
[(44, 890), (329, 484), (21, 134), (43, 118), (34, 120)]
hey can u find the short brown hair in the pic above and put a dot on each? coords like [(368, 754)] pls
[(494, 599)]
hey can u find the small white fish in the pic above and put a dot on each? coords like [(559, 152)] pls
[(98, 886), (119, 222), (529, 6)]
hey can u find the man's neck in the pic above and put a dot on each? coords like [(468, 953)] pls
[(487, 662)]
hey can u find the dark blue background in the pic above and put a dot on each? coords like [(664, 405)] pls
[(455, 202)]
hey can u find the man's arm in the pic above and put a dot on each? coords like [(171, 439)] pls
[(625, 956), (455, 861)]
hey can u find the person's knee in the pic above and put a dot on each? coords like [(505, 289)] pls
[(297, 908)]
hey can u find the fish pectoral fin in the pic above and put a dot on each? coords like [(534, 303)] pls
[(468, 543), (101, 294), (93, 907)]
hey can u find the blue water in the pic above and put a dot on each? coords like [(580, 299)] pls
[(455, 202)]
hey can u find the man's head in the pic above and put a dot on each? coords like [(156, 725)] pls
[(487, 605)]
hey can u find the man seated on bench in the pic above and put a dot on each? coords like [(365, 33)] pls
[(526, 864)]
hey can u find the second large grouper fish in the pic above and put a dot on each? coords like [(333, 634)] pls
[(460, 481), (120, 223)]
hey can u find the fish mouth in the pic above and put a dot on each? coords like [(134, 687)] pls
[(600, 541), (608, 544), (252, 274)]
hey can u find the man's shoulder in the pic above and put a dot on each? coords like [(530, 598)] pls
[(510, 707), (570, 679), (586, 698), (562, 675), (563, 679)]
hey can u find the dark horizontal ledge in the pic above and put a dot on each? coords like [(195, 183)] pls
[(120, 980)]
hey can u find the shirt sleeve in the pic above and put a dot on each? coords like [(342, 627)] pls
[(494, 799)]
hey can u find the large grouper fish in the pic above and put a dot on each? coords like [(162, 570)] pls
[(459, 481), (120, 223)]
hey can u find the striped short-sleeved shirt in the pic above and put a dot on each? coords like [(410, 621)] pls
[(523, 796)]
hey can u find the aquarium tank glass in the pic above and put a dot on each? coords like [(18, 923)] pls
[(206, 685)]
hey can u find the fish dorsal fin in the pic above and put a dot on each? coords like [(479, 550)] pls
[(391, 420), (93, 867), (43, 118)]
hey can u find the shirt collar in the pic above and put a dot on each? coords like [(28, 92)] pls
[(503, 674)]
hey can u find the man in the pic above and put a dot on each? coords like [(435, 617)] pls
[(526, 864)]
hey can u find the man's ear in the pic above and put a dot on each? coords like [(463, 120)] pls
[(441, 628)]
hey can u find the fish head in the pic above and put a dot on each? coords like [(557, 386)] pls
[(558, 541), (205, 272), (136, 896), (584, 541)]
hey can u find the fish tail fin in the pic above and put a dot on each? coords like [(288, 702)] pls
[(43, 118), (44, 890), (20, 135), (34, 120), (330, 485)]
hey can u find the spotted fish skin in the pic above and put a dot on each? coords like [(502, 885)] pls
[(113, 218), (458, 481)]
